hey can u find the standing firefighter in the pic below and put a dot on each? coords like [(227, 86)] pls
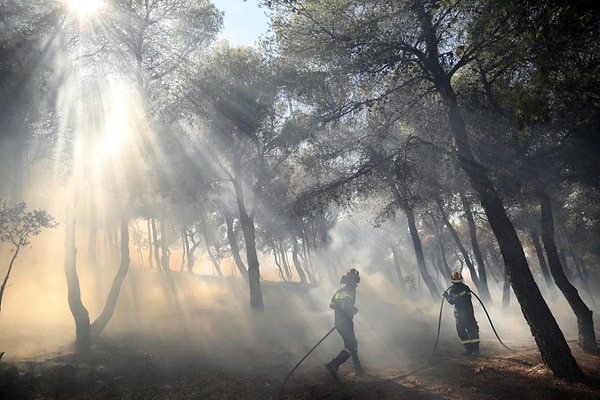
[(459, 295), (342, 303)]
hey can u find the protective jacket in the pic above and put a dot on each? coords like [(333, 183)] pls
[(343, 304), (459, 295)]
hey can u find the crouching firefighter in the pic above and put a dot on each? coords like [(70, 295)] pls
[(459, 295), (343, 304)]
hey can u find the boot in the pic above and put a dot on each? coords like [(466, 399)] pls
[(332, 367), (475, 349), (358, 371), (468, 349)]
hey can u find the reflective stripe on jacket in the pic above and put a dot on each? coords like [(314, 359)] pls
[(342, 303)]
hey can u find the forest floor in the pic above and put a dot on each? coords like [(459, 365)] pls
[(119, 369), (154, 348)]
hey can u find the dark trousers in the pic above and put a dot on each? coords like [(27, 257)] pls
[(346, 331), (468, 331)]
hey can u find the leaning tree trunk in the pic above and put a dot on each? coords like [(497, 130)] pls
[(113, 295), (485, 294), (506, 293), (15, 254), (485, 291), (414, 234), (540, 255), (83, 337), (585, 321), (551, 342), (583, 275)]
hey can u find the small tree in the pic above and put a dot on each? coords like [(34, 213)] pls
[(17, 226)]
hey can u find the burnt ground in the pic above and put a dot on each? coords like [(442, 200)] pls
[(119, 369)]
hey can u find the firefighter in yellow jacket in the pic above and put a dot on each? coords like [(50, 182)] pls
[(459, 295), (343, 304)]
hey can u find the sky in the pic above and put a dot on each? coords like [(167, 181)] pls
[(244, 21)]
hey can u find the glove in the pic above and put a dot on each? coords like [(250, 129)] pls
[(445, 295)]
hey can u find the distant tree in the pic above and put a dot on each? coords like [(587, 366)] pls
[(17, 227), (240, 112)]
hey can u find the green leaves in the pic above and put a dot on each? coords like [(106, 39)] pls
[(17, 225)]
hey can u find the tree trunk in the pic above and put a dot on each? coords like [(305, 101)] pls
[(247, 222), (284, 260), (584, 276), (150, 258), (506, 293), (398, 267), (460, 246), (249, 230), (414, 234), (191, 260), (156, 245), (483, 282), (585, 322), (542, 260), (235, 250), (165, 259), (562, 255), (186, 248), (296, 261), (213, 258), (442, 250), (83, 337), (15, 253), (307, 256), (111, 301)]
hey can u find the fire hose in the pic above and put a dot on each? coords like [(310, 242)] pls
[(375, 384), (302, 359)]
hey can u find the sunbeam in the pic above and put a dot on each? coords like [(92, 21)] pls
[(85, 8)]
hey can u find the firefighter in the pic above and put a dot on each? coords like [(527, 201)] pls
[(343, 303), (459, 295)]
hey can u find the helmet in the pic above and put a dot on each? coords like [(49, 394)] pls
[(352, 276), (456, 277)]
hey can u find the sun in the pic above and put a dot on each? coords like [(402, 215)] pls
[(85, 8)]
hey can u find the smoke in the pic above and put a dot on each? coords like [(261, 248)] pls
[(396, 326)]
